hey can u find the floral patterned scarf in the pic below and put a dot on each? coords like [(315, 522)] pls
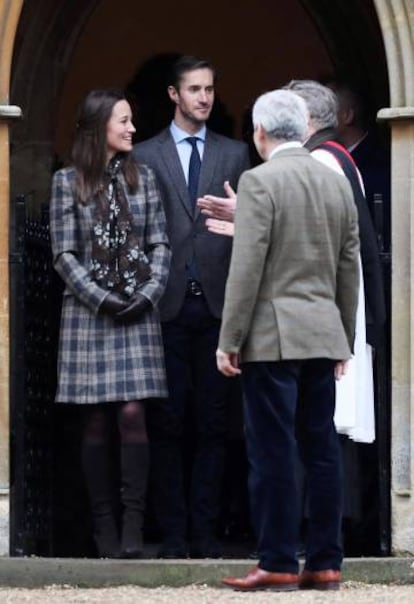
[(118, 264)]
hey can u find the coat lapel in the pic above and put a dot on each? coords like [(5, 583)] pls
[(172, 163)]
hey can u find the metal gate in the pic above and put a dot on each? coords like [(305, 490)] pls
[(49, 512), (32, 364), (382, 368)]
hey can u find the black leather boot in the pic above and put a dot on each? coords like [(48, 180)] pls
[(134, 473), (97, 471)]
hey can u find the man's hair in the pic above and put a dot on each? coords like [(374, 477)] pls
[(352, 96), (320, 100), (188, 63), (282, 114)]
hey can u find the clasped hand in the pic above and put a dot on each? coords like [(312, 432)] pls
[(122, 310)]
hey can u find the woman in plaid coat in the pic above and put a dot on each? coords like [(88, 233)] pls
[(110, 247)]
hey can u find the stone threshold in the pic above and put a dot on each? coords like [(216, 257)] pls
[(34, 572)]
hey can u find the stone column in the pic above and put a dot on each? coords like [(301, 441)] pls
[(7, 112), (396, 19), (402, 430), (9, 16)]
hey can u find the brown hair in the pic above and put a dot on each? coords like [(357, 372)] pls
[(188, 63), (89, 150)]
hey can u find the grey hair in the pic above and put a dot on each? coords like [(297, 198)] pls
[(321, 101), (282, 114)]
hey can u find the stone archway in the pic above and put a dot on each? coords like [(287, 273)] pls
[(396, 18), (46, 35), (397, 22), (9, 16), (343, 26)]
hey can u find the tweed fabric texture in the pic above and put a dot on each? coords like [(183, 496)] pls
[(100, 360), (292, 290)]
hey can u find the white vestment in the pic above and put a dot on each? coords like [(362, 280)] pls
[(354, 409)]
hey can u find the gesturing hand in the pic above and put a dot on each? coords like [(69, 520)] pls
[(134, 310), (112, 304), (221, 208), (220, 227)]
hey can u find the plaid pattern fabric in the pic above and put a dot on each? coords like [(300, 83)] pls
[(99, 360)]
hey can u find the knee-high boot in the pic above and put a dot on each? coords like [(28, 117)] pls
[(97, 471), (134, 473)]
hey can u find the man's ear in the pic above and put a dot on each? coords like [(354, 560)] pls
[(348, 116), (260, 133), (173, 94)]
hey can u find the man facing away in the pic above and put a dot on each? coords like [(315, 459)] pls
[(189, 160), (288, 327)]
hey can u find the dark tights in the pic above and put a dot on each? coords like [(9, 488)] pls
[(102, 478), (129, 416)]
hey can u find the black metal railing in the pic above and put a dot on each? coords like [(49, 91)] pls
[(32, 383)]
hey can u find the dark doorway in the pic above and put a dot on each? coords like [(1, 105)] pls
[(316, 39)]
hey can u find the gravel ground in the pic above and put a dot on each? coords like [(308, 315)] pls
[(350, 593)]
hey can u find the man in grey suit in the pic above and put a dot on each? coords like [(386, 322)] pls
[(189, 160), (289, 321)]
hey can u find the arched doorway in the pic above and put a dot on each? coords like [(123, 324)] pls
[(87, 44), (66, 62)]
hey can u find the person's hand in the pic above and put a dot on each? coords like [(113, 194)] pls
[(220, 227), (137, 306), (341, 369), (222, 208), (228, 363), (112, 304)]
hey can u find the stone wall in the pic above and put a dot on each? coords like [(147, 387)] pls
[(397, 23)]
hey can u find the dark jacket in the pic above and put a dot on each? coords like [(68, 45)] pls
[(223, 159), (371, 267)]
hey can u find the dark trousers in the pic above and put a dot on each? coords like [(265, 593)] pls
[(196, 387), (279, 423)]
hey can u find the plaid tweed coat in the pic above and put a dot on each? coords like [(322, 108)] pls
[(100, 360)]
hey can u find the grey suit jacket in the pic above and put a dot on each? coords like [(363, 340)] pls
[(223, 159), (293, 284)]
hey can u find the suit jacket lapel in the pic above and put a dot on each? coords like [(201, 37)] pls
[(172, 163), (208, 166)]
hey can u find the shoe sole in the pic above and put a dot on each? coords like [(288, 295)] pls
[(287, 587), (327, 586)]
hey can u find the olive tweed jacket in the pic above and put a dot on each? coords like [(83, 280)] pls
[(293, 284)]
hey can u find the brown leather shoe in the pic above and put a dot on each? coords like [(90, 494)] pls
[(258, 578), (320, 579)]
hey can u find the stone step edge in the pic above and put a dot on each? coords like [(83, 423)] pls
[(37, 572)]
